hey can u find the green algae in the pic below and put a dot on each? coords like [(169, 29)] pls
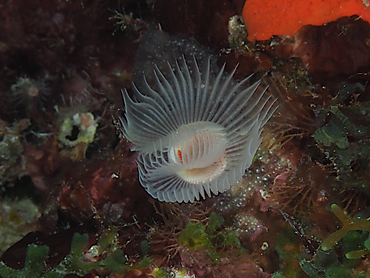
[(287, 247), (17, 215), (194, 236), (344, 140), (332, 133), (160, 273), (211, 237), (349, 224), (352, 238), (74, 263)]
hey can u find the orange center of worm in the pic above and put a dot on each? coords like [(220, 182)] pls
[(179, 155)]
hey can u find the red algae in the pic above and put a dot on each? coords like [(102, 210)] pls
[(340, 48), (284, 18)]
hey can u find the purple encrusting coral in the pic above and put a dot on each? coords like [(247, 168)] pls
[(71, 201)]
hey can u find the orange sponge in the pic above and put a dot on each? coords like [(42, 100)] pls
[(264, 18)]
